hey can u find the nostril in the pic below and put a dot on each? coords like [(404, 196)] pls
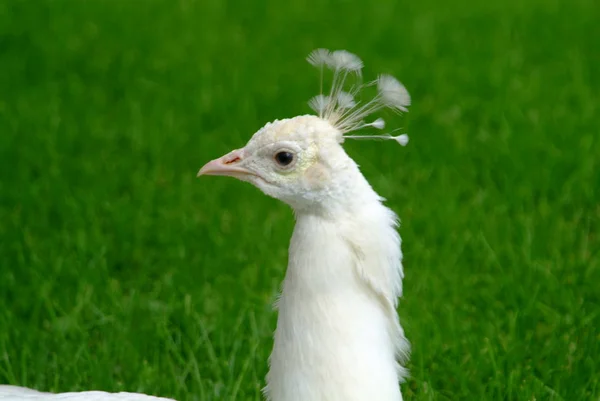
[(233, 160)]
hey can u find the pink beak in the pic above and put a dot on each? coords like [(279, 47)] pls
[(226, 165)]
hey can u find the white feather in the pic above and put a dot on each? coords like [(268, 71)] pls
[(393, 93), (344, 60), (379, 123), (402, 139), (14, 393), (319, 57), (345, 100), (319, 104)]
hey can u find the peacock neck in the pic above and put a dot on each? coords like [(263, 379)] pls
[(338, 336)]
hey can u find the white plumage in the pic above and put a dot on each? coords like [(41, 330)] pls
[(338, 336), (14, 393)]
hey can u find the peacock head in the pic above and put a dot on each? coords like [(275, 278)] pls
[(300, 160)]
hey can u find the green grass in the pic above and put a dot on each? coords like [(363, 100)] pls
[(120, 271)]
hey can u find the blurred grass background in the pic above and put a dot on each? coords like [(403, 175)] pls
[(120, 271)]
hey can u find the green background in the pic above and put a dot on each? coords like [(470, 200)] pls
[(121, 271)]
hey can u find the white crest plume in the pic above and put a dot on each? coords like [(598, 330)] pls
[(345, 100), (319, 57), (344, 60), (393, 93), (319, 103), (341, 109)]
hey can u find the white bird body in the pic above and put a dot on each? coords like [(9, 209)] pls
[(15, 393), (338, 335)]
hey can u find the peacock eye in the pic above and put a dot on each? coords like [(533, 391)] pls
[(284, 158)]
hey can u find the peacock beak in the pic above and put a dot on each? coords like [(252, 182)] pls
[(228, 165)]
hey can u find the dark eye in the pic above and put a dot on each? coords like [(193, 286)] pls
[(284, 158)]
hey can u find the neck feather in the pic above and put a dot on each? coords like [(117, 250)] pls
[(338, 335)]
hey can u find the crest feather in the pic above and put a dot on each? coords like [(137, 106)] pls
[(345, 100), (393, 93), (319, 104), (319, 57), (344, 60), (341, 109)]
